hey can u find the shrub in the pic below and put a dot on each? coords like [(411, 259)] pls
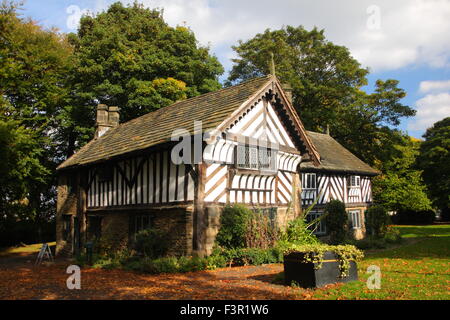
[(233, 226), (160, 265), (377, 220), (216, 261), (152, 243), (261, 231), (247, 256), (174, 264), (392, 235), (336, 221), (298, 233)]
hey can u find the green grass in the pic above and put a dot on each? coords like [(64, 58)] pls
[(25, 249), (418, 269)]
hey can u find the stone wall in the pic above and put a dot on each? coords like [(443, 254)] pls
[(66, 205), (176, 221), (360, 233)]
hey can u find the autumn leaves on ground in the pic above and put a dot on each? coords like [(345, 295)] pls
[(418, 269)]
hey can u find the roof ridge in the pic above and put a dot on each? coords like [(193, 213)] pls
[(192, 98)]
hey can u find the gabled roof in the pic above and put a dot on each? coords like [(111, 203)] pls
[(154, 128), (334, 157)]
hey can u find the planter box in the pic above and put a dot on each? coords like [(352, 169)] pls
[(305, 274)]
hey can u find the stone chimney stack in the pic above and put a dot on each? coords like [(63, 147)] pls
[(288, 91), (107, 117)]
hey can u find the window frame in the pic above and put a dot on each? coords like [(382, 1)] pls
[(253, 158), (306, 181), (322, 228), (355, 213), (357, 181)]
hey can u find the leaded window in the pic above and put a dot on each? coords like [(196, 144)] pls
[(319, 227), (355, 217), (309, 181), (256, 158), (355, 181)]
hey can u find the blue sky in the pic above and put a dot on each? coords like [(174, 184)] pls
[(407, 40)]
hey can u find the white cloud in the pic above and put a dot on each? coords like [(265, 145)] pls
[(381, 34), (410, 31), (434, 86), (430, 109)]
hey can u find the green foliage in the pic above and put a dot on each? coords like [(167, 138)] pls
[(336, 221), (233, 226), (298, 232), (128, 56), (434, 160), (261, 231), (33, 72), (326, 82), (392, 235), (400, 187), (377, 220), (174, 264), (314, 253), (153, 243), (248, 256), (21, 169)]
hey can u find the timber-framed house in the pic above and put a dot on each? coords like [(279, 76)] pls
[(247, 145)]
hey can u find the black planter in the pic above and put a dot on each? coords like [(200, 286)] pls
[(306, 276)]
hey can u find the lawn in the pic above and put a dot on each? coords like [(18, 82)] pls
[(418, 269), (32, 248)]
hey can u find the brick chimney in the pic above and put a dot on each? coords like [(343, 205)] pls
[(288, 91), (107, 117)]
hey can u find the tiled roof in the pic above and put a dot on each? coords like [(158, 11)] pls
[(156, 127), (334, 157)]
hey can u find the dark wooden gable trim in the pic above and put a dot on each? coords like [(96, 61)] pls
[(273, 90), (292, 114)]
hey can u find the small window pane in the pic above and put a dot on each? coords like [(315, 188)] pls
[(253, 158)]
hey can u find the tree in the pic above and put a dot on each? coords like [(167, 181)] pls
[(129, 57), (33, 73), (326, 82), (434, 160), (401, 187)]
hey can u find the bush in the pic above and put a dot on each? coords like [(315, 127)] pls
[(216, 261), (336, 221), (392, 235), (261, 231), (233, 226), (247, 256), (152, 243), (174, 264), (377, 220), (298, 233)]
